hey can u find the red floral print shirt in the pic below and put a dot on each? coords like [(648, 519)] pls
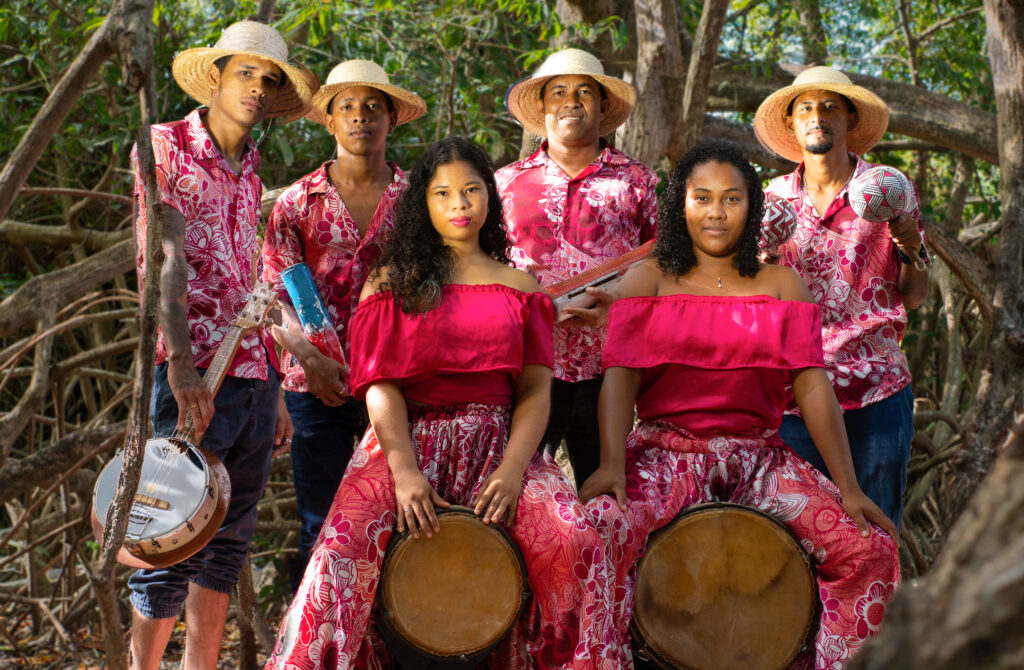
[(311, 224), (561, 226), (852, 267), (221, 211)]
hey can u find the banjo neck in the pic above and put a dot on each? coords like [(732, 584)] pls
[(250, 318)]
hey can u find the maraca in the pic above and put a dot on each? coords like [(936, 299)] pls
[(880, 194)]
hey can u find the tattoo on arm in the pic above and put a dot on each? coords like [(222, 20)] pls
[(174, 287)]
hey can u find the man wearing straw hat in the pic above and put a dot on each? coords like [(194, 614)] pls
[(206, 169), (572, 204), (863, 275), (334, 219)]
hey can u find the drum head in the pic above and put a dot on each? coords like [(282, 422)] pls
[(724, 587), (455, 593)]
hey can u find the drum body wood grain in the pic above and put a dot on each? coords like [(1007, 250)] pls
[(724, 586), (448, 600)]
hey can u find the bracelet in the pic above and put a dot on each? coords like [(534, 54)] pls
[(920, 263)]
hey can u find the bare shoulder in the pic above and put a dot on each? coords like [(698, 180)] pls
[(640, 280), (517, 279), (374, 282), (785, 283)]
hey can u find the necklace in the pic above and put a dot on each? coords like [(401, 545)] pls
[(716, 279)]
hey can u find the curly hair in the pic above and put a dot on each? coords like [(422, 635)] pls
[(674, 249), (418, 262)]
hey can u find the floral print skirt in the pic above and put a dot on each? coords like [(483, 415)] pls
[(567, 622), (668, 469)]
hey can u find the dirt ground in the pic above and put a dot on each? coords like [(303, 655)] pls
[(37, 651)]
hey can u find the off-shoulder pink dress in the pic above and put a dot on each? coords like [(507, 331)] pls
[(458, 364), (711, 398)]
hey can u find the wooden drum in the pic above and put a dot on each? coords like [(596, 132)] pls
[(724, 586), (448, 600)]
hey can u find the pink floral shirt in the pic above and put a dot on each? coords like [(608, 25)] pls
[(560, 227), (221, 211), (852, 267), (311, 224)]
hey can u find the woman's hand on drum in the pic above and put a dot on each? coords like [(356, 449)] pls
[(499, 495), (605, 480), (862, 510), (415, 499)]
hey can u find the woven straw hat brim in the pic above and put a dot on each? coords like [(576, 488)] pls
[(190, 67), (521, 102), (770, 120), (408, 105)]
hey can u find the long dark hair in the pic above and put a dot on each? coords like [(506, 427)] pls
[(674, 248), (417, 260)]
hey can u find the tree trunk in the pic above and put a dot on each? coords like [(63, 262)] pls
[(742, 135), (655, 124), (265, 11), (999, 397), (698, 76), (136, 49), (812, 32), (593, 11), (966, 612)]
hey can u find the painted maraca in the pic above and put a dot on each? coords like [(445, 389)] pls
[(880, 194)]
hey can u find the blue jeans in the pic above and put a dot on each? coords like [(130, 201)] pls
[(880, 436), (321, 449), (241, 434)]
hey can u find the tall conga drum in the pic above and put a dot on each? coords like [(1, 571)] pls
[(722, 587), (449, 600)]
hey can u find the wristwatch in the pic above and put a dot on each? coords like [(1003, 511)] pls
[(922, 260)]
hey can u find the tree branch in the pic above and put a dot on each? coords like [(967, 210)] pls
[(942, 23), (53, 112), (965, 265), (18, 233), (75, 192), (915, 112), (47, 293)]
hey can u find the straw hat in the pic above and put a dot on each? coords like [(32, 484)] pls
[(254, 39), (351, 73), (520, 98), (770, 120)]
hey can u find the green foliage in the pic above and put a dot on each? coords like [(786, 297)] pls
[(459, 55), (867, 37)]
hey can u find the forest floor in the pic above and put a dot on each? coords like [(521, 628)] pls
[(91, 655), (39, 650)]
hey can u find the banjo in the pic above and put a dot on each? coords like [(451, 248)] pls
[(184, 489)]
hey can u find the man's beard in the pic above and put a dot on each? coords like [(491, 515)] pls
[(823, 146)]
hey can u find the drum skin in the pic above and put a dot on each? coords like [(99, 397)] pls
[(454, 595), (722, 587)]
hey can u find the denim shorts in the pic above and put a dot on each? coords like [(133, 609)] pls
[(880, 435), (241, 434)]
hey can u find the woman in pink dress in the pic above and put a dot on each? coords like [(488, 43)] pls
[(452, 350), (705, 344)]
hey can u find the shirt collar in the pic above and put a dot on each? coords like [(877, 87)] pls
[(322, 184), (202, 146), (608, 156), (796, 183)]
